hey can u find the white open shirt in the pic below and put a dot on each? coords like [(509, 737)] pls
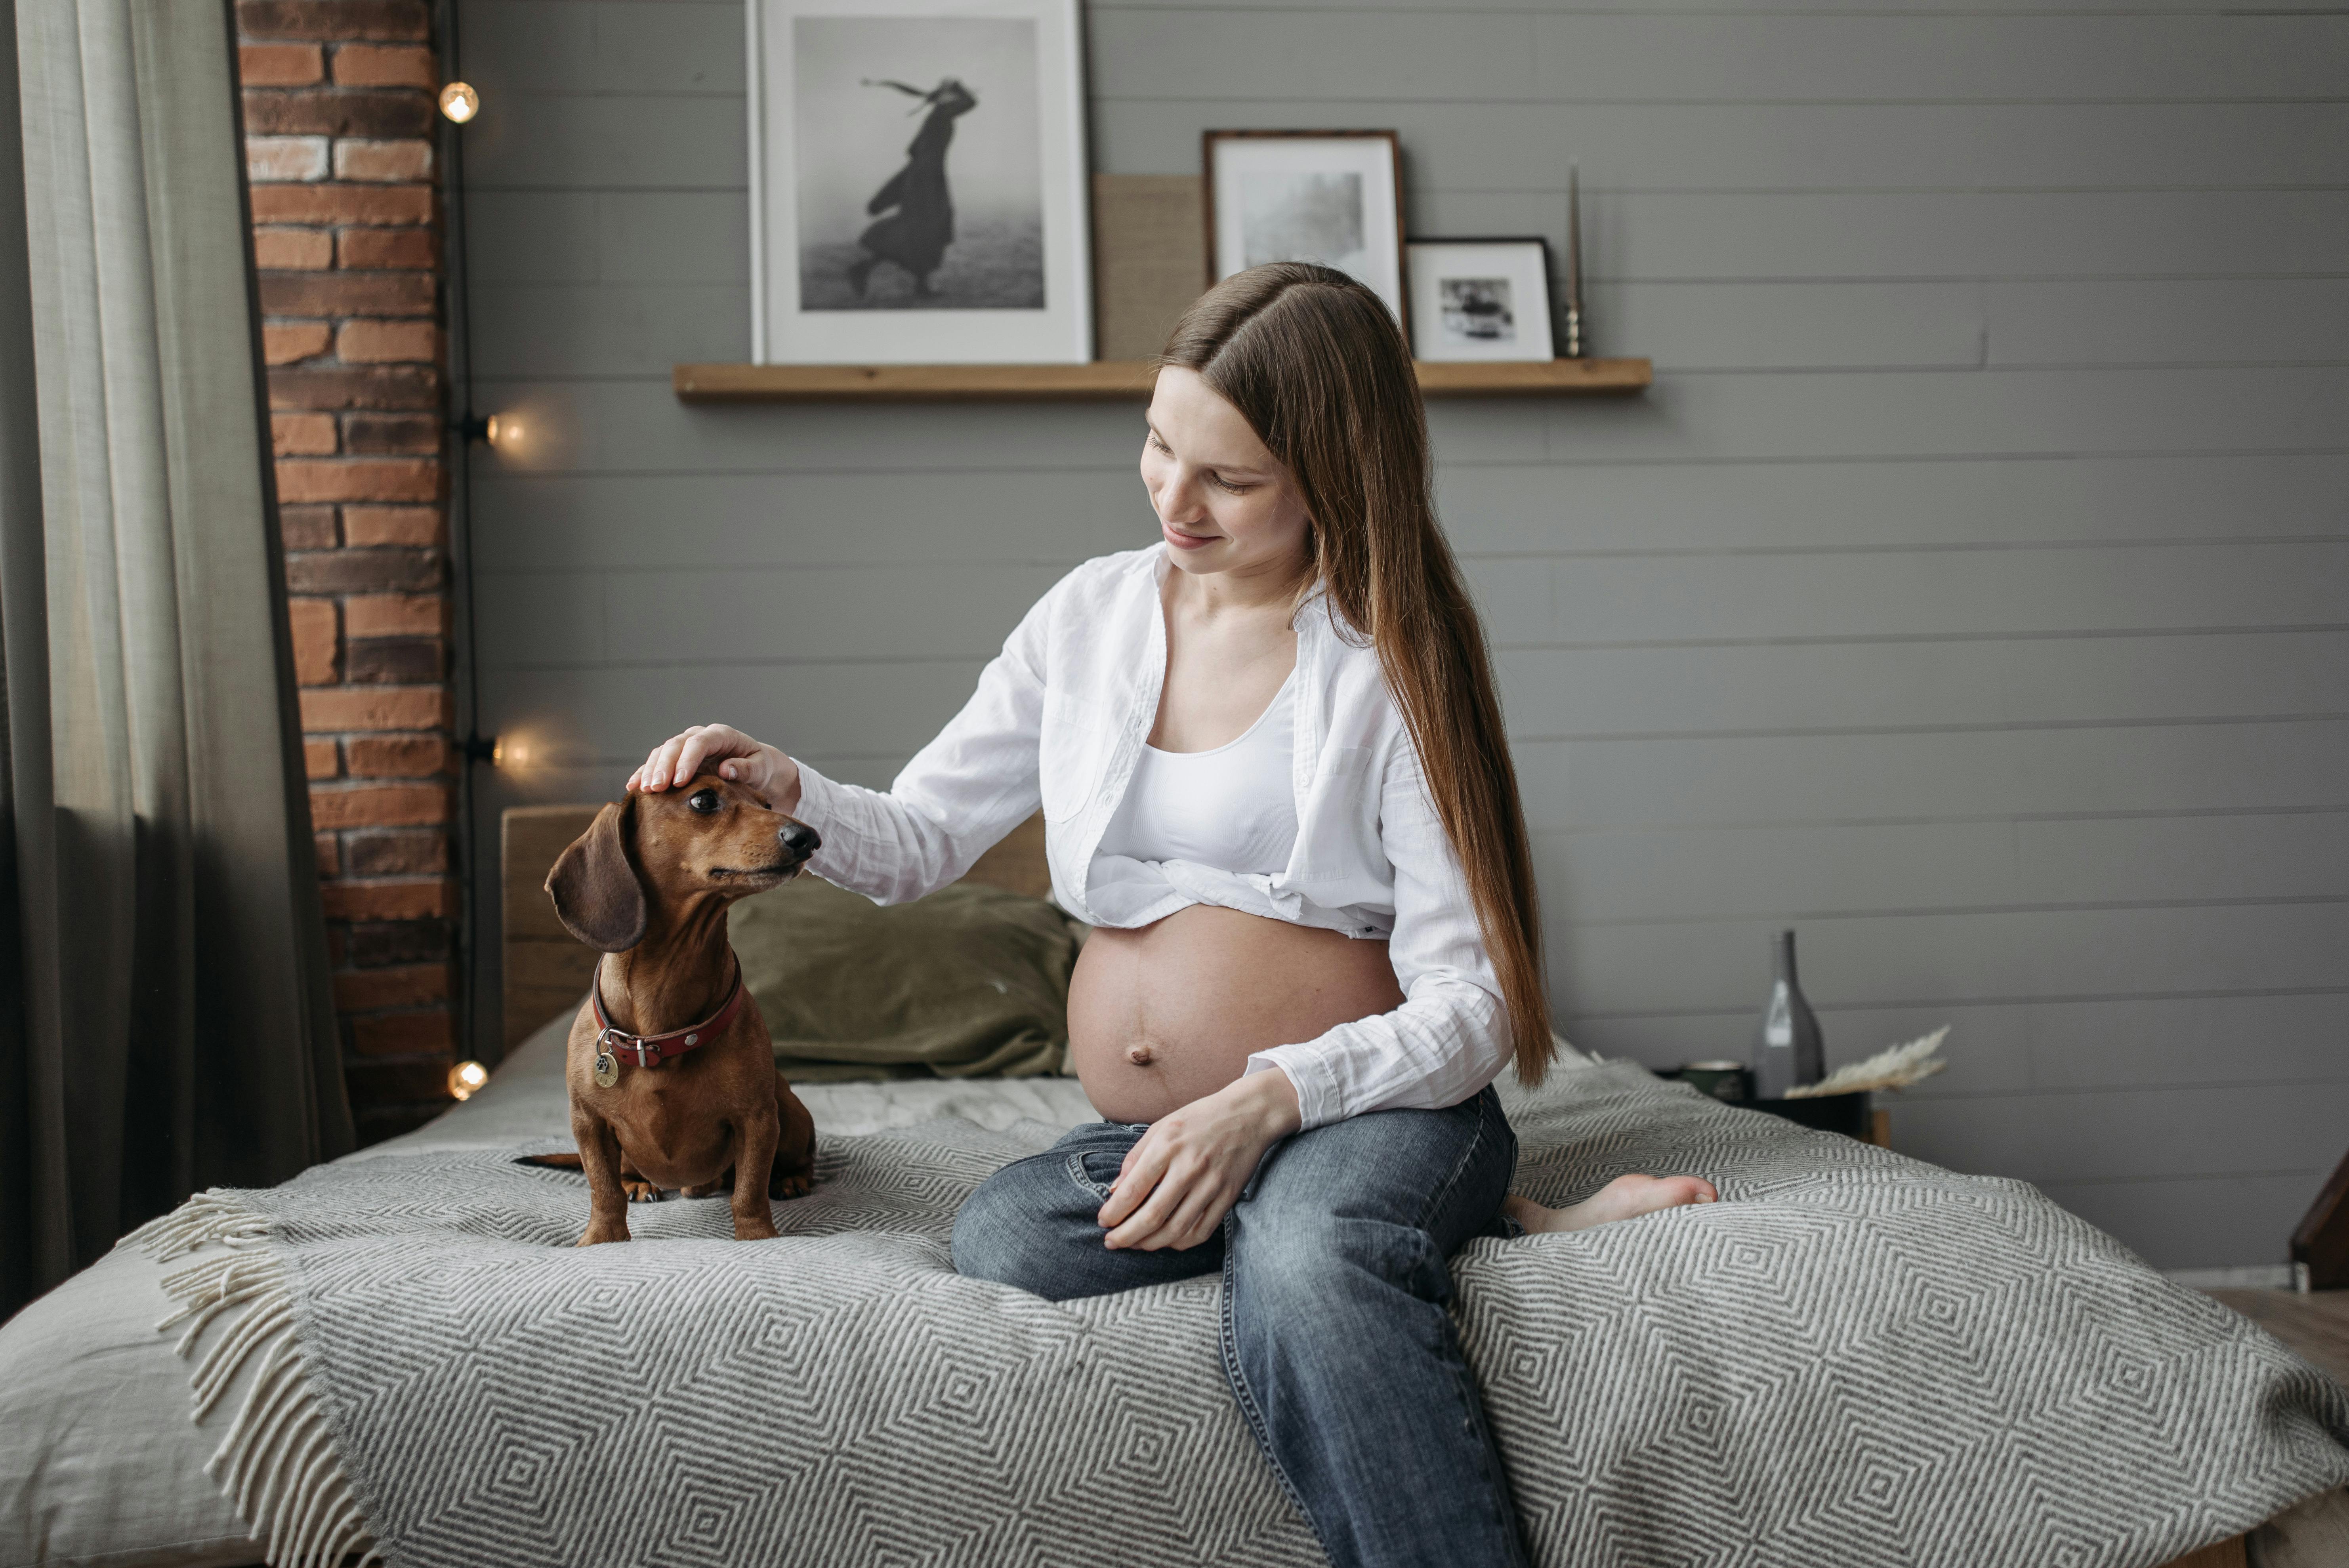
[(1058, 719)]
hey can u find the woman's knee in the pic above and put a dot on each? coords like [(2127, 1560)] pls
[(1290, 1258), (1000, 1231), (1025, 1222)]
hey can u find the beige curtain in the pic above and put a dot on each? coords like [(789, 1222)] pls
[(166, 1015)]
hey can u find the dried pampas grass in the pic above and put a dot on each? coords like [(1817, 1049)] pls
[(1895, 1067)]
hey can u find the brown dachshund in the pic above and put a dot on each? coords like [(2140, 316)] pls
[(674, 1085)]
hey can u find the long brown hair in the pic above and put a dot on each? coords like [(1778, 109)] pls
[(1316, 366)]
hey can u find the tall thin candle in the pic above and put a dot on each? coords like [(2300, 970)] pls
[(1574, 261)]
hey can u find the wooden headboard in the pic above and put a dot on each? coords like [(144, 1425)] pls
[(547, 969)]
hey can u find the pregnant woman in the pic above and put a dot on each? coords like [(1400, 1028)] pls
[(1273, 777)]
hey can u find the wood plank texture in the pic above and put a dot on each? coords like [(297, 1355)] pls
[(1969, 589), (1127, 380), (2314, 1324), (2320, 1242), (2229, 1553)]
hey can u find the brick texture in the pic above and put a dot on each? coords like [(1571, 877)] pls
[(380, 525), (372, 113), (278, 250), (339, 122), (385, 65), (383, 160), (281, 64), (339, 203), (355, 387), (379, 342), (285, 342), (275, 158), (382, 248)]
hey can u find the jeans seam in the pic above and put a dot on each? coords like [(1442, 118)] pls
[(1501, 1494), (1459, 1167), (1249, 1410)]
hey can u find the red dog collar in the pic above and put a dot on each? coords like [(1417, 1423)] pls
[(651, 1050)]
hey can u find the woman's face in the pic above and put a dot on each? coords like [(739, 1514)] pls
[(1224, 502)]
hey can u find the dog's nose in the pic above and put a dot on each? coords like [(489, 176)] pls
[(800, 839)]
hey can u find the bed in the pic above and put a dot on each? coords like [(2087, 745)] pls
[(100, 1463)]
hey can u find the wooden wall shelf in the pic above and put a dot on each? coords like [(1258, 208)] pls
[(1108, 378)]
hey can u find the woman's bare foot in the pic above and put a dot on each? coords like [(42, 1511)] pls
[(1624, 1198)]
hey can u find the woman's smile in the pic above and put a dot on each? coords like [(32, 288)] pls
[(1227, 507)]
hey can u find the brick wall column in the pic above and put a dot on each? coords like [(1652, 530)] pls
[(339, 120)]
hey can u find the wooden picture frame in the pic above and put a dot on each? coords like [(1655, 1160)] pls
[(1374, 157), (1518, 263)]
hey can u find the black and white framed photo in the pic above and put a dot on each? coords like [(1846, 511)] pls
[(1328, 196), (1480, 299), (917, 183)]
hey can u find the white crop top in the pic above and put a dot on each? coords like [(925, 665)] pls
[(1234, 808)]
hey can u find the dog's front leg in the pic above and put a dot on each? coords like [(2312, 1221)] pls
[(599, 1156), (755, 1156)]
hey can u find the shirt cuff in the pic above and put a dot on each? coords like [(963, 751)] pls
[(1318, 1102), (819, 807)]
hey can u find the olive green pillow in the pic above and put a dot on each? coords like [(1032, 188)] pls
[(972, 979)]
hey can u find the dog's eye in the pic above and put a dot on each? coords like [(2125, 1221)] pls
[(705, 802)]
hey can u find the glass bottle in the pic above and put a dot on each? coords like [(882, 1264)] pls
[(1787, 1049)]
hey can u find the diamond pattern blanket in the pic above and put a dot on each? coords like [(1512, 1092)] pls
[(1854, 1358)]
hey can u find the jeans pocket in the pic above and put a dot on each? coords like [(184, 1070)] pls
[(1084, 1177)]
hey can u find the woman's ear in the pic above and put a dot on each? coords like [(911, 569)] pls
[(597, 894)]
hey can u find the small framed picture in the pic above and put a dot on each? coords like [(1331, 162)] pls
[(918, 182), (1328, 196), (1480, 299)]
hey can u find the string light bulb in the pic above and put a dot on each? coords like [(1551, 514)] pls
[(504, 432), (465, 1078), (459, 102)]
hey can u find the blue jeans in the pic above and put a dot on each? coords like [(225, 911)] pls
[(1335, 1335)]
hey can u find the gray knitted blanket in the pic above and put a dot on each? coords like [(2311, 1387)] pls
[(1853, 1359)]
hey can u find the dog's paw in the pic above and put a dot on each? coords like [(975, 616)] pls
[(790, 1184), (641, 1192), (753, 1228), (598, 1232)]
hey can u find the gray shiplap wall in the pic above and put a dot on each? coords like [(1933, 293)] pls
[(1971, 591)]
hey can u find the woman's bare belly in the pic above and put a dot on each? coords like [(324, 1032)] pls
[(1167, 1014)]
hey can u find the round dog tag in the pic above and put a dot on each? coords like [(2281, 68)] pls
[(607, 1069)]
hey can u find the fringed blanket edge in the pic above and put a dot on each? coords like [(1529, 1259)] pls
[(277, 1464)]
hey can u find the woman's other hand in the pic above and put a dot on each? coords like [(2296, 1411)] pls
[(722, 749), (1190, 1168)]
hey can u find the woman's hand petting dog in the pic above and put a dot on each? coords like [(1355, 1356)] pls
[(1177, 1184), (722, 749)]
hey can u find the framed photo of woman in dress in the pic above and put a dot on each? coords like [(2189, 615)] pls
[(917, 183), (1329, 196)]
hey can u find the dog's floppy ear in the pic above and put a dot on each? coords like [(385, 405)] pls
[(597, 894)]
